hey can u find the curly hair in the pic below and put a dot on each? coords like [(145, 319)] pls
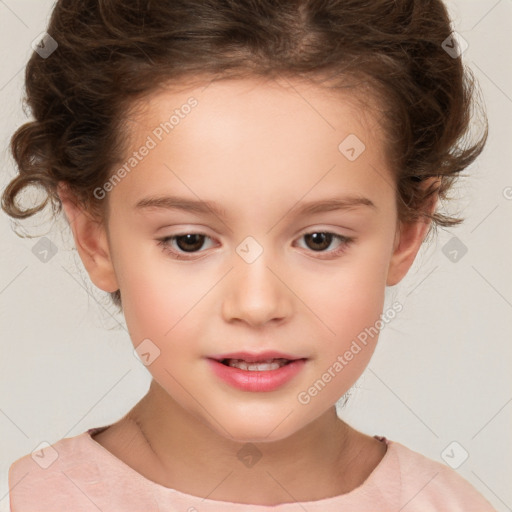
[(111, 53)]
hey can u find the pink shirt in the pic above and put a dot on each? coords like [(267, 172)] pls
[(87, 477)]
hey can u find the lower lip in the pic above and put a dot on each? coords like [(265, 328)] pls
[(254, 380)]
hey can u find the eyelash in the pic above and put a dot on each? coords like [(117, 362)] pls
[(164, 244)]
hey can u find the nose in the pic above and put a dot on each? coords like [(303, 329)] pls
[(256, 294)]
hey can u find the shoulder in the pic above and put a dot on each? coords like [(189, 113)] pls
[(426, 484), (48, 474), (72, 474)]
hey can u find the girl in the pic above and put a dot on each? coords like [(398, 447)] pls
[(245, 178)]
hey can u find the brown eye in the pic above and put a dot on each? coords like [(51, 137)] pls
[(178, 246), (319, 241), (190, 242)]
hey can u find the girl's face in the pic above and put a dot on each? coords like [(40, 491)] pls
[(276, 164)]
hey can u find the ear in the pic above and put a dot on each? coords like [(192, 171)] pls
[(408, 240), (91, 241)]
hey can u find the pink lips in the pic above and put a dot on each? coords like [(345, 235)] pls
[(247, 380)]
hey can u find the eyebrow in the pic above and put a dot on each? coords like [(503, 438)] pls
[(211, 208)]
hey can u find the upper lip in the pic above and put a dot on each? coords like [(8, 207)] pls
[(254, 357)]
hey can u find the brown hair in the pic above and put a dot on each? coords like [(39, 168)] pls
[(112, 52)]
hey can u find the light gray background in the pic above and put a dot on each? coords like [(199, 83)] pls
[(441, 372)]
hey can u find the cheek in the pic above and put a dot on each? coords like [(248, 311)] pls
[(156, 292), (350, 295), (350, 309), (160, 303)]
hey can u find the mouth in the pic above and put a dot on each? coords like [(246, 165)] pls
[(257, 366), (256, 373), (264, 361)]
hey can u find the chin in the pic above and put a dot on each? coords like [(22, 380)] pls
[(258, 428)]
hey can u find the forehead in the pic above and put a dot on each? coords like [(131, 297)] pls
[(254, 136), (286, 107)]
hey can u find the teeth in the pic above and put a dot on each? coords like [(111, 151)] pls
[(261, 366)]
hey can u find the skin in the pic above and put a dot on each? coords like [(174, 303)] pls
[(259, 149)]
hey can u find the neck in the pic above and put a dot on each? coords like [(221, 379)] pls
[(187, 455)]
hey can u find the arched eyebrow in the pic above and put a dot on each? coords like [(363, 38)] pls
[(332, 204), (210, 208)]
